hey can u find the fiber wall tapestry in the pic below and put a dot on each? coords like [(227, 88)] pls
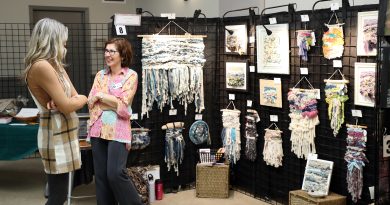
[(273, 52), (172, 69), (317, 177), (367, 33), (365, 84)]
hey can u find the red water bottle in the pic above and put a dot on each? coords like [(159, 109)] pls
[(159, 189)]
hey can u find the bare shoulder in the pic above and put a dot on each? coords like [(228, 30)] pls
[(42, 67)]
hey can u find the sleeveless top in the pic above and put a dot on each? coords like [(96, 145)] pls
[(58, 141)]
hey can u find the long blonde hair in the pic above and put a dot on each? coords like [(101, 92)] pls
[(47, 42)]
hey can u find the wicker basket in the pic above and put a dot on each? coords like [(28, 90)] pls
[(212, 181), (299, 197)]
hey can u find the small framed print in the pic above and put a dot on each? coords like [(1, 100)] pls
[(270, 93), (236, 39), (317, 176), (364, 92), (236, 76), (367, 33)]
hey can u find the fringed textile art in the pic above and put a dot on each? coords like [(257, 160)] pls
[(174, 148), (231, 134), (252, 117), (333, 42), (356, 159), (273, 149), (336, 96), (305, 39), (172, 69), (304, 118)]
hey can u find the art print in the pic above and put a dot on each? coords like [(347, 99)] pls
[(270, 93), (236, 39), (317, 177), (365, 84), (236, 76), (273, 50), (367, 33)]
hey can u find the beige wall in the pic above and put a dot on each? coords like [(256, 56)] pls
[(17, 11)]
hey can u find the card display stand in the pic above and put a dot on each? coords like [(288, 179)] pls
[(300, 197), (212, 181)]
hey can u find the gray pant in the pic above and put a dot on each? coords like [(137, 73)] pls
[(112, 182), (58, 188)]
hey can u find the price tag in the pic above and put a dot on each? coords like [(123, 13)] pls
[(386, 146), (173, 112), (272, 20), (318, 94), (252, 68), (304, 71), (312, 156), (120, 30), (356, 113), (277, 81), (337, 64), (334, 6), (232, 97), (198, 117), (305, 18), (249, 103), (134, 116), (273, 118), (251, 39), (168, 15)]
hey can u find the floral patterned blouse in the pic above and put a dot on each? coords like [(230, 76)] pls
[(109, 124)]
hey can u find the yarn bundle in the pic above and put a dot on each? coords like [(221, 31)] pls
[(336, 96), (304, 118), (356, 159), (231, 134), (273, 149), (252, 118)]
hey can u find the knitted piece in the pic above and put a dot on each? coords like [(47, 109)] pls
[(333, 42), (231, 134), (305, 39), (174, 148), (252, 118), (304, 118), (355, 158), (273, 149), (336, 97), (172, 69)]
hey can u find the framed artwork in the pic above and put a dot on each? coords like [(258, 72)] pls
[(364, 93), (317, 177), (236, 39), (273, 52), (367, 33), (236, 76), (270, 93)]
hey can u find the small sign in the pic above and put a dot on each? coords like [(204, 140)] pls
[(134, 116), (120, 30), (173, 112), (305, 18), (249, 103), (127, 19), (251, 39), (357, 113), (337, 64), (334, 6), (252, 69), (232, 97), (198, 117), (304, 71), (277, 81), (386, 146), (312, 156), (272, 20), (169, 15), (273, 118), (318, 91)]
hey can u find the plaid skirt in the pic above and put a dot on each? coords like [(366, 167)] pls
[(58, 142)]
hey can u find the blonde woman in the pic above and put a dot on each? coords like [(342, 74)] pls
[(57, 101)]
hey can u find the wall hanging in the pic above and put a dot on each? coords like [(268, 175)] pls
[(140, 137), (305, 39), (236, 76), (304, 119), (270, 93), (367, 33), (365, 84), (236, 39), (317, 177), (273, 148), (199, 132), (174, 145), (333, 39), (336, 96), (230, 135), (273, 51), (172, 69), (252, 117)]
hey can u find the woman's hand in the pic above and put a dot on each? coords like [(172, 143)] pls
[(128, 146), (51, 105)]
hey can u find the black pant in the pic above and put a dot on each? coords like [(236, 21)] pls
[(112, 182), (58, 188)]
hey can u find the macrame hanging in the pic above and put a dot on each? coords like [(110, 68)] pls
[(356, 159), (336, 96), (252, 117), (231, 133), (273, 148), (305, 39), (333, 39), (304, 119), (174, 146), (172, 69)]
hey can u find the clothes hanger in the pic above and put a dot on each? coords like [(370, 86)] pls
[(139, 128), (186, 33), (343, 81)]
